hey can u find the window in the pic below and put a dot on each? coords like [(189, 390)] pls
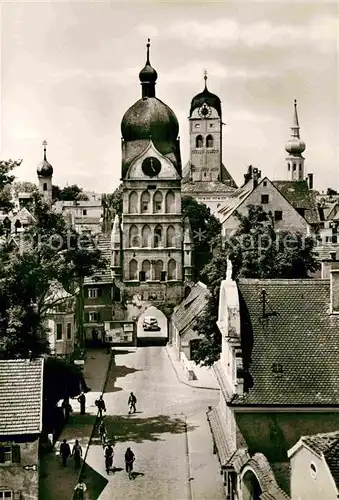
[(133, 270), (289, 167), (163, 276), (45, 186), (93, 293), (59, 331), (6, 495), (84, 212), (170, 236), (264, 183), (157, 202), (313, 470), (264, 199), (197, 125), (93, 316), (133, 236), (9, 453), (158, 269), (146, 236), (334, 238), (199, 141), (133, 203), (294, 167), (211, 125), (172, 268), (170, 202), (69, 330), (158, 237), (146, 270), (145, 202), (278, 215), (209, 141)]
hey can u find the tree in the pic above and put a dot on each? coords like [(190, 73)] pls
[(6, 180), (256, 250), (69, 193), (49, 252), (205, 227), (113, 202), (24, 187), (331, 191)]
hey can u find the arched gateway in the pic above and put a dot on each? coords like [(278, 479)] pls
[(152, 324)]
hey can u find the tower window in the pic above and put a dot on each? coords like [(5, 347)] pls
[(299, 168), (294, 167), (264, 199), (278, 215), (211, 125), (289, 167), (199, 143), (45, 186), (84, 212), (209, 141), (264, 183), (197, 125)]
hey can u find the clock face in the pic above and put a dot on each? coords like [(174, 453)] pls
[(151, 166), (205, 111)]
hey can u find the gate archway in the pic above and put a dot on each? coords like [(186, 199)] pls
[(152, 324)]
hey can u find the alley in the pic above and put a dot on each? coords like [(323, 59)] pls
[(157, 433)]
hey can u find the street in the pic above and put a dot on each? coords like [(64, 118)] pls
[(157, 433)]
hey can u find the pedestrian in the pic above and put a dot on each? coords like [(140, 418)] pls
[(66, 407), (77, 454), (102, 432), (100, 403), (132, 400), (129, 459), (109, 454), (82, 401), (80, 489), (65, 452)]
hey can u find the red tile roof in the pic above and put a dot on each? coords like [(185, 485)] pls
[(21, 384)]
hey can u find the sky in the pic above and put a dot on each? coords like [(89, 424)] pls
[(69, 71)]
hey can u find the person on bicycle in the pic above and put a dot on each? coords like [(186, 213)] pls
[(132, 402), (102, 431), (129, 459), (109, 454)]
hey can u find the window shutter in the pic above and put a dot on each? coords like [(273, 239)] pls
[(16, 453), (2, 454)]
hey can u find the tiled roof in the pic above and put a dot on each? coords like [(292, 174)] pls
[(87, 220), (300, 196), (206, 187), (234, 201), (103, 242), (21, 383), (323, 251), (190, 308), (220, 434), (24, 216), (328, 444), (298, 336)]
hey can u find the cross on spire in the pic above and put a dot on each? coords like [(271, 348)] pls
[(148, 46), (205, 77)]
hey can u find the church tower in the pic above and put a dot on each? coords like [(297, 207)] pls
[(295, 147), (205, 136), (152, 226), (45, 174)]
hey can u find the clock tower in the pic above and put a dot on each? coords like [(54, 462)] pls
[(152, 260)]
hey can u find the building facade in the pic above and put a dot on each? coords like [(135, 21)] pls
[(148, 254), (205, 178)]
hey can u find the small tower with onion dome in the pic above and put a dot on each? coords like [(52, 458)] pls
[(45, 175), (295, 147)]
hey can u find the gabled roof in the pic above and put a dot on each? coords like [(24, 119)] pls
[(236, 199), (324, 444), (24, 216), (21, 384), (300, 196), (103, 242), (291, 354), (190, 308)]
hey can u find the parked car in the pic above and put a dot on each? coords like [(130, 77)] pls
[(150, 324)]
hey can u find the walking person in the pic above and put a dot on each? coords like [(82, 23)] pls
[(109, 454), (100, 403), (102, 432), (77, 454), (132, 400), (80, 489), (65, 452), (82, 401), (129, 459)]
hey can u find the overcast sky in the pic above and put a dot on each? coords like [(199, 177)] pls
[(69, 71)]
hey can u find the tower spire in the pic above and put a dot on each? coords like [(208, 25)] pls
[(205, 78), (44, 145), (148, 46), (148, 76), (295, 129)]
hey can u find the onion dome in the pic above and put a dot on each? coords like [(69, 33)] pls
[(207, 97), (45, 169), (295, 146), (149, 119)]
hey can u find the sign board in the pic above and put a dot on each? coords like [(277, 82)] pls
[(120, 332)]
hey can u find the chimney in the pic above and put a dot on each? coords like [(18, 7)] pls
[(255, 176), (334, 284), (310, 181)]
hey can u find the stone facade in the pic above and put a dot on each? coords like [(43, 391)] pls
[(24, 484)]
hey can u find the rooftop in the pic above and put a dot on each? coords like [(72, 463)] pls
[(191, 307), (300, 196), (21, 384), (290, 343), (328, 445), (103, 242)]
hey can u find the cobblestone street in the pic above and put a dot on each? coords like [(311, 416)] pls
[(163, 434)]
